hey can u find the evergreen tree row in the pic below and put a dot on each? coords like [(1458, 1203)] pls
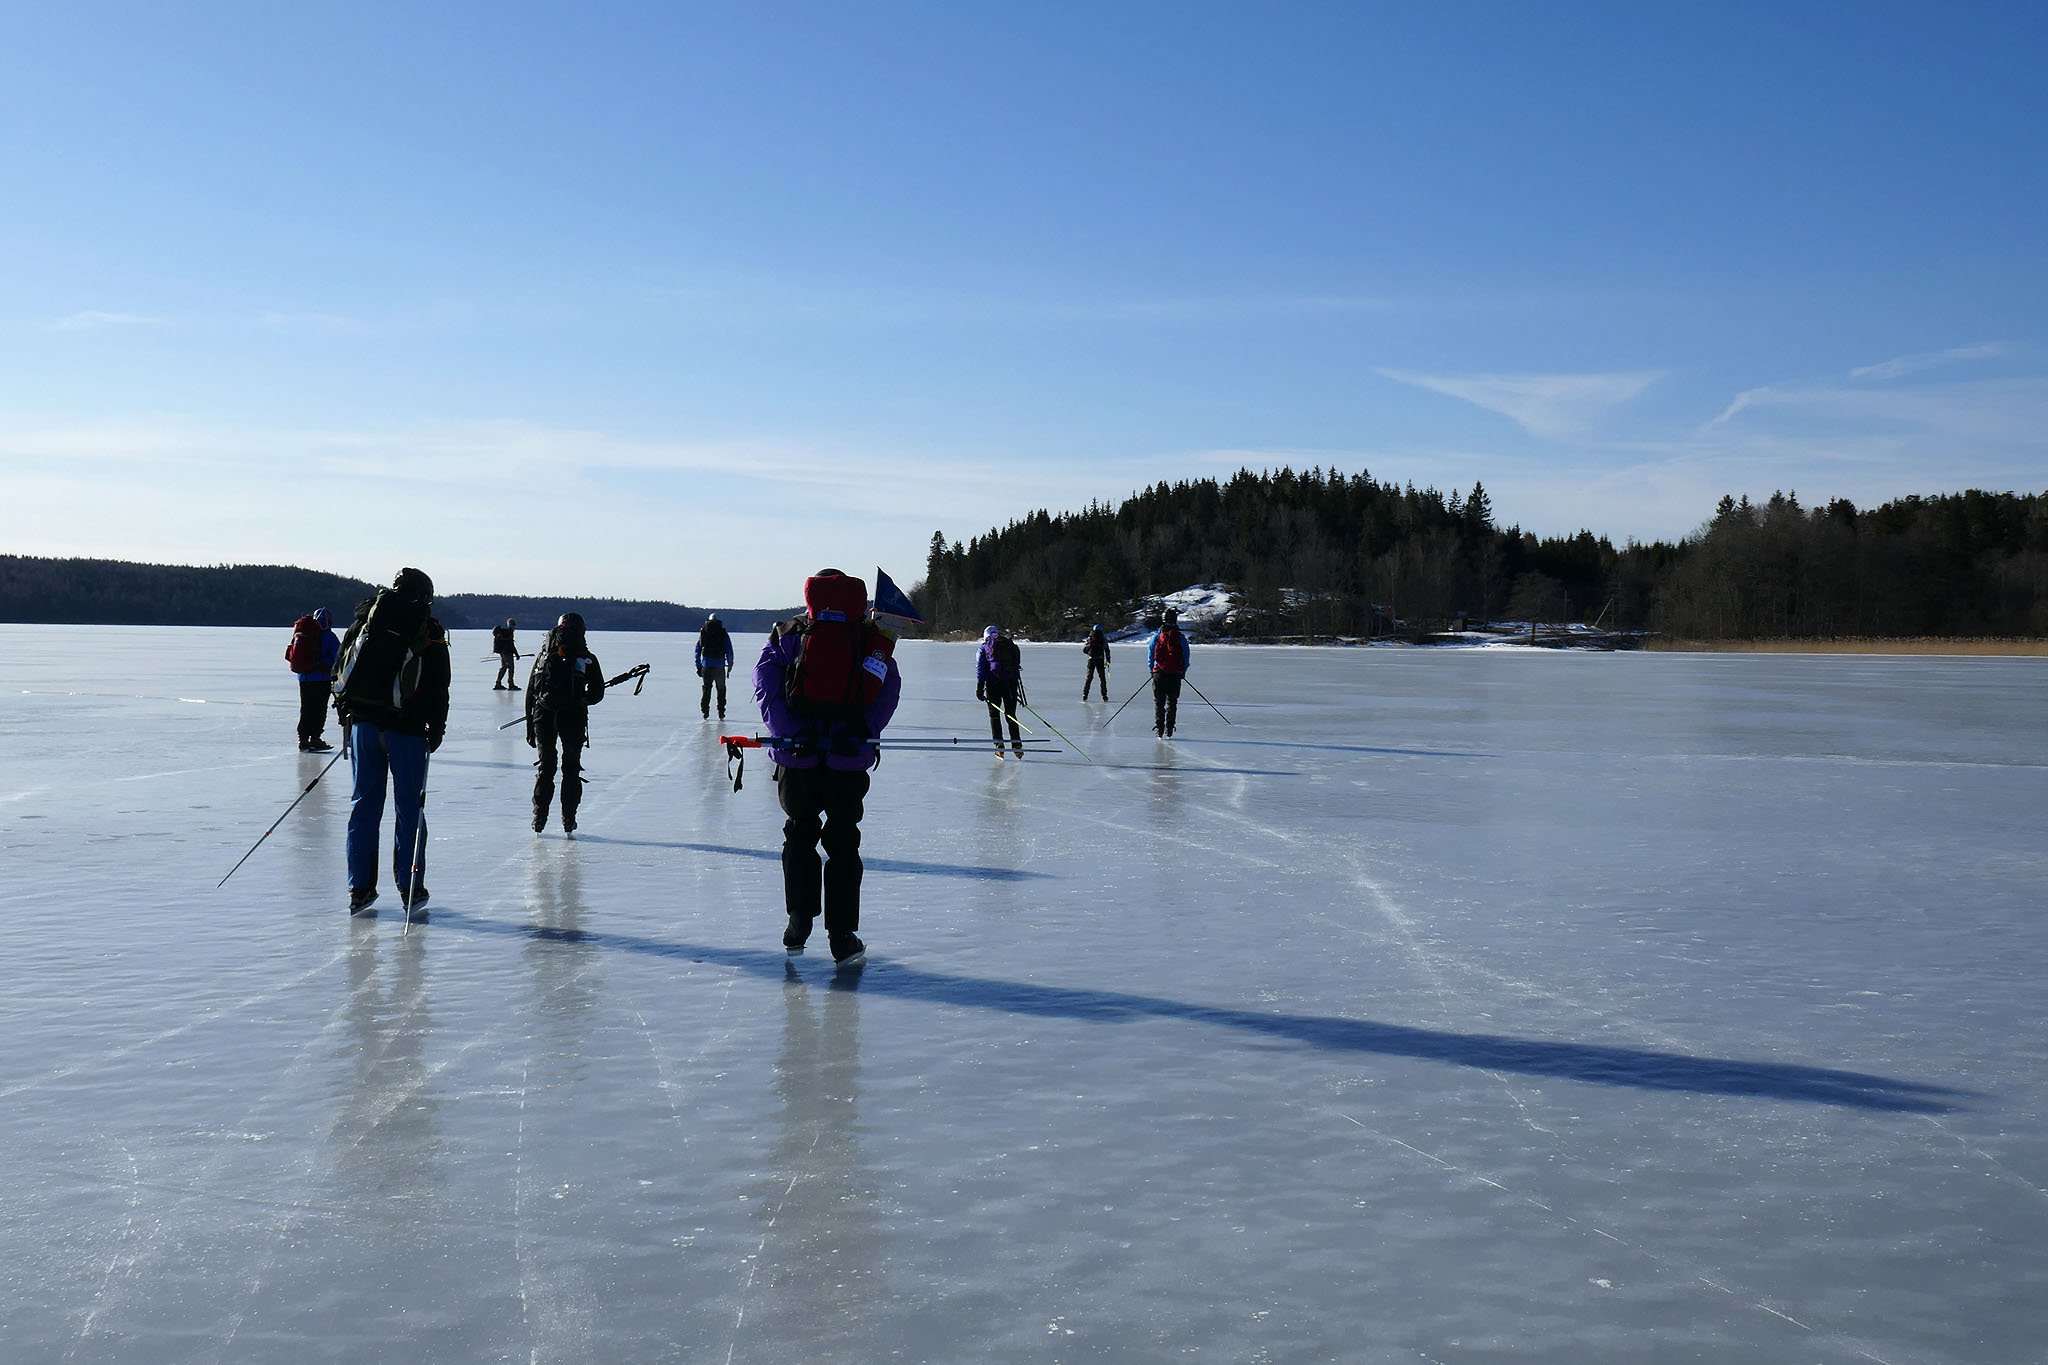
[(1322, 553)]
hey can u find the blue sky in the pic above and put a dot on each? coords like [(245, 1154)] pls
[(686, 301)]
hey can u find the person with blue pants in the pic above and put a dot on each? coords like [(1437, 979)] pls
[(391, 736)]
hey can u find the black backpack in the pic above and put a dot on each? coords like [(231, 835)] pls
[(555, 683), (379, 669)]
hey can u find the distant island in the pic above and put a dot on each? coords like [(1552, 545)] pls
[(1321, 554), (108, 592)]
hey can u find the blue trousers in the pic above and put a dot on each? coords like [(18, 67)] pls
[(379, 753)]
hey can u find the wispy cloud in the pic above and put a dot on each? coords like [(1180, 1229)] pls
[(1900, 366), (1551, 406), (1988, 412), (98, 320)]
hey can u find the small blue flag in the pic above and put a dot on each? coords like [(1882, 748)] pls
[(890, 601)]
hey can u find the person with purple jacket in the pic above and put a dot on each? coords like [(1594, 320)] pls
[(999, 681), (822, 754)]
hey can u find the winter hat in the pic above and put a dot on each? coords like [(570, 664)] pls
[(413, 583), (990, 633), (1173, 613), (323, 616)]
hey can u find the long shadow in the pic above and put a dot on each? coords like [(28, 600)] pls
[(1343, 748), (1204, 770), (771, 855), (1595, 1064)]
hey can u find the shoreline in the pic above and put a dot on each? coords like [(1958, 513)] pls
[(1978, 647)]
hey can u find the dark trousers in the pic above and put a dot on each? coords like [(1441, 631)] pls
[(1096, 669), (713, 677), (823, 805), (506, 658), (1165, 702), (312, 708), (570, 729), (1002, 704)]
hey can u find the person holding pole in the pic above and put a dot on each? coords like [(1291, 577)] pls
[(391, 690), (1097, 650), (1167, 658), (566, 682), (827, 685), (508, 654), (999, 681)]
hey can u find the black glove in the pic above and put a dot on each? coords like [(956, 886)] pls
[(980, 692), (434, 738)]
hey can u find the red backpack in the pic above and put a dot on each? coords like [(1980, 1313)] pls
[(1170, 655), (303, 653), (844, 657)]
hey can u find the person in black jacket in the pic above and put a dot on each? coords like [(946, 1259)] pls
[(565, 683), (714, 663), (508, 654), (391, 690), (1097, 652)]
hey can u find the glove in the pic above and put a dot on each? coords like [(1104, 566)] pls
[(531, 742), (434, 738), (980, 692)]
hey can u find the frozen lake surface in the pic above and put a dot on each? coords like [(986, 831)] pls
[(1449, 1007)]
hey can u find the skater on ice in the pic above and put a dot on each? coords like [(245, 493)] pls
[(827, 685), (714, 663), (391, 691), (311, 655), (1097, 651), (1167, 657), (508, 654), (999, 681), (565, 683)]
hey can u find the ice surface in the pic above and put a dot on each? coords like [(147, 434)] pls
[(1450, 1006)]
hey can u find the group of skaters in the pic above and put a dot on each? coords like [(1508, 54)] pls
[(826, 683), (999, 676)]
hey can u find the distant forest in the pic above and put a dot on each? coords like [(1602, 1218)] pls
[(110, 592), (1322, 553)]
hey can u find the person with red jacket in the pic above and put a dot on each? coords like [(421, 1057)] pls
[(827, 685)]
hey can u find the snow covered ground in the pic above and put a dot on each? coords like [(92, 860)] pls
[(1450, 1006)]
